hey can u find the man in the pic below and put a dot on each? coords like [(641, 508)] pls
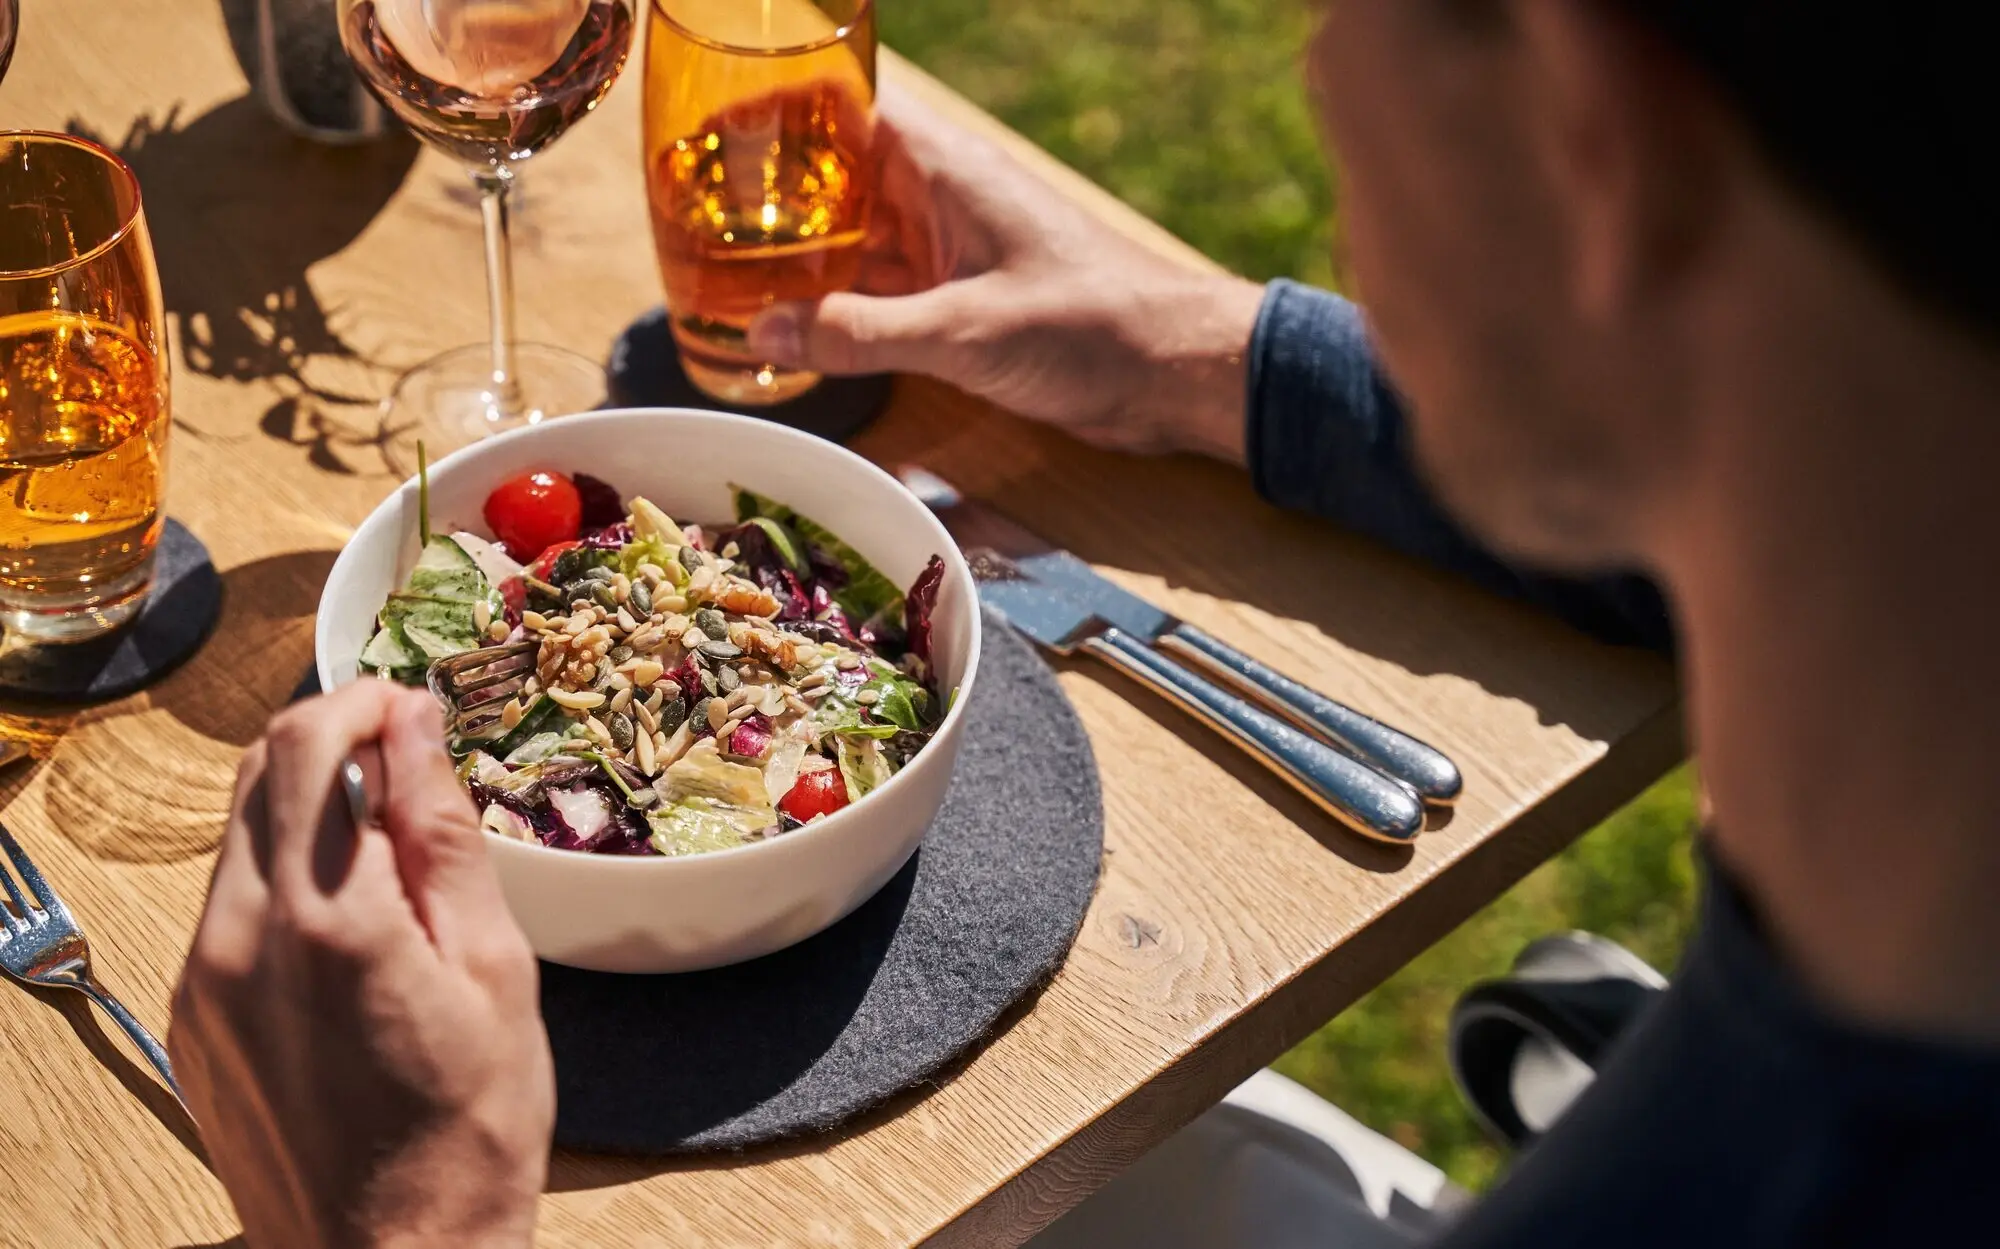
[(1699, 286)]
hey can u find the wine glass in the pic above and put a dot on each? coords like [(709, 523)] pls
[(10, 25), (490, 83)]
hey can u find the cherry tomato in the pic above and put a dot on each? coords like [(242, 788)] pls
[(534, 511), (545, 563), (815, 793)]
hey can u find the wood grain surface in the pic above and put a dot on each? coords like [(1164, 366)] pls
[(1232, 918)]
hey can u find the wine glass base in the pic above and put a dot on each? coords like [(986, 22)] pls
[(450, 400)]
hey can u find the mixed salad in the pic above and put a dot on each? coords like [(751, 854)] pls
[(693, 687)]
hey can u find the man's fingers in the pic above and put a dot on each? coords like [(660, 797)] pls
[(439, 848), (308, 743), (847, 334)]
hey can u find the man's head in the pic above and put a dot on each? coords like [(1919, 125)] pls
[(1566, 216)]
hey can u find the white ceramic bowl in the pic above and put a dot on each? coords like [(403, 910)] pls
[(615, 913)]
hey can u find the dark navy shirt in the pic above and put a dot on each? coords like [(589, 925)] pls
[(1738, 1111)]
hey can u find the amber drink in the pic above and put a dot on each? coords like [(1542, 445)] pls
[(83, 390), (759, 128)]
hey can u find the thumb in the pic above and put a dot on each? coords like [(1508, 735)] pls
[(848, 334)]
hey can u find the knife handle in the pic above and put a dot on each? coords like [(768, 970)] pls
[(1417, 764), (1358, 796)]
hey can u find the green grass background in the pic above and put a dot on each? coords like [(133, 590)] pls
[(1193, 112)]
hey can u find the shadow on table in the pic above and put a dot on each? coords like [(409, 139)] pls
[(239, 209), (138, 1078), (246, 670), (1292, 566)]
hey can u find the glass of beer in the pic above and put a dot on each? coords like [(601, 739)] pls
[(83, 390), (759, 128)]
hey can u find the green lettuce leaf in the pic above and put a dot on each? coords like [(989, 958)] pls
[(697, 825), (862, 765), (868, 595)]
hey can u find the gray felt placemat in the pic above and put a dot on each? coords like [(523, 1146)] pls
[(803, 1039)]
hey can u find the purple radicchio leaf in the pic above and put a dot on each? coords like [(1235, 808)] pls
[(609, 538), (602, 508), (918, 605), (751, 737)]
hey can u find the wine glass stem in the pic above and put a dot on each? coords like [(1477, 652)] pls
[(493, 186)]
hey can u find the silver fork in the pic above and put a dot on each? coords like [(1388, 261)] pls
[(41, 944), (475, 686)]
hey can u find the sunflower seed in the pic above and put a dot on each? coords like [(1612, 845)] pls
[(868, 698), (670, 603), (646, 639), (623, 698), (846, 662), (497, 631), (647, 720), (620, 727), (812, 681), (621, 585), (534, 620), (482, 615), (511, 714), (715, 710), (773, 703), (597, 730), (728, 679), (577, 700), (627, 621), (668, 749), (742, 713), (641, 599)]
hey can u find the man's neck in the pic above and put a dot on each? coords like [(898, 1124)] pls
[(1836, 577)]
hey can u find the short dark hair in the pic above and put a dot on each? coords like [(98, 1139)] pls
[(1878, 115)]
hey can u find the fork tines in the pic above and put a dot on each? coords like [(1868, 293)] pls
[(475, 686)]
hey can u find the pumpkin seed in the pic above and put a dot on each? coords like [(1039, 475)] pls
[(599, 573), (727, 680), (641, 599), (712, 622), (620, 725), (671, 714), (689, 557), (605, 597), (620, 653), (720, 650)]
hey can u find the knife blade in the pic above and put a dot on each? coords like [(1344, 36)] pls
[(1357, 795), (975, 527)]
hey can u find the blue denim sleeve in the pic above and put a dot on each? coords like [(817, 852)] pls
[(1326, 435)]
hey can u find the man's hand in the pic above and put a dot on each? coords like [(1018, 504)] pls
[(981, 275), (357, 1028)]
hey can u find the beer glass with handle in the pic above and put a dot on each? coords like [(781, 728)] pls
[(759, 130), (490, 83), (83, 390)]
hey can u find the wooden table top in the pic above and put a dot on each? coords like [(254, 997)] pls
[(1232, 919)]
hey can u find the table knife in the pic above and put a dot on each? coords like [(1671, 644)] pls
[(975, 526), (1357, 795)]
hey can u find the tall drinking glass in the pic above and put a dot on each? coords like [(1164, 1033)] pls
[(490, 83), (760, 120), (83, 390)]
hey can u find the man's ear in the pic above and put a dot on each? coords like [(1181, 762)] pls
[(1633, 146)]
